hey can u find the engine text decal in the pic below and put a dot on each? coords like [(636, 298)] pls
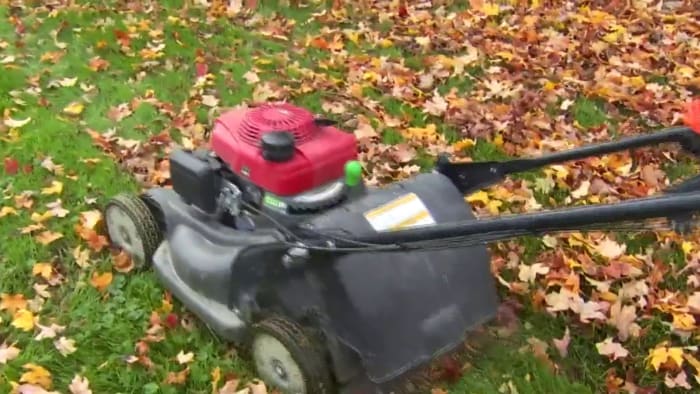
[(401, 213)]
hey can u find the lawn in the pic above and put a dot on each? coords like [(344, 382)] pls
[(95, 94)]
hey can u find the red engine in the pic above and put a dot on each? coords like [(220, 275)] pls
[(282, 148)]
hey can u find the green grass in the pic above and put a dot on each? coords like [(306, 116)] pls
[(106, 327)]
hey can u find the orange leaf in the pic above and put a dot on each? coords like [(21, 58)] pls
[(101, 281), (12, 302)]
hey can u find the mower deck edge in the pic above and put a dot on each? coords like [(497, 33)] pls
[(219, 317)]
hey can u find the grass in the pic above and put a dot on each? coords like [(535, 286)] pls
[(106, 326)]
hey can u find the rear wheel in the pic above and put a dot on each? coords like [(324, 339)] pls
[(288, 358), (133, 228)]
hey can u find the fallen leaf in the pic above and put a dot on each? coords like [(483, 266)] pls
[(12, 302), (101, 281), (9, 122), (610, 249), (65, 346), (79, 385), (178, 378), (251, 77), (681, 380), (45, 270), (184, 358), (230, 387), (24, 320), (74, 108), (47, 237), (671, 357), (8, 353), (36, 374), (612, 349), (50, 331), (528, 273), (55, 188)]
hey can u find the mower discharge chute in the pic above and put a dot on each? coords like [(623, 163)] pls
[(272, 239)]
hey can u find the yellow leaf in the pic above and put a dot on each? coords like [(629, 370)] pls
[(42, 269), (74, 108), (55, 188), (41, 217), (4, 211), (101, 281), (662, 354), (636, 82), (493, 206), (465, 143), (687, 246), (36, 374), (215, 377), (498, 140), (386, 43), (480, 196), (23, 319), (684, 321), (491, 9)]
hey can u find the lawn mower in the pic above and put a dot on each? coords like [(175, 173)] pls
[(271, 237)]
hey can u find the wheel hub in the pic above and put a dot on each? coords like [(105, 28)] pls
[(279, 369), (124, 233), (276, 366)]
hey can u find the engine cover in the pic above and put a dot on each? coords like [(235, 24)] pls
[(319, 151)]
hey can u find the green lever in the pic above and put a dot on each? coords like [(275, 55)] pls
[(353, 173)]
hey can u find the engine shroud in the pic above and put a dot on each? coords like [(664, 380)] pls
[(320, 151)]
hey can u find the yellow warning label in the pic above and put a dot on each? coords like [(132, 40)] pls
[(401, 213)]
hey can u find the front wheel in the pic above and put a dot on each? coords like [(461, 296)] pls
[(288, 358), (132, 228)]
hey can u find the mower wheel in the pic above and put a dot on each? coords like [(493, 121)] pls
[(288, 358), (133, 228)]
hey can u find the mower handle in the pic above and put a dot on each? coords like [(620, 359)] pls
[(468, 177), (674, 206)]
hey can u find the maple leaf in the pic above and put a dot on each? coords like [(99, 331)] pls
[(91, 219), (101, 281), (79, 385), (8, 353), (251, 77), (623, 318), (47, 237), (122, 262), (81, 256), (24, 320), (45, 270), (669, 357), (36, 374), (65, 346), (610, 249), (612, 349), (528, 273), (5, 211), (178, 378), (184, 358), (12, 302), (55, 188)]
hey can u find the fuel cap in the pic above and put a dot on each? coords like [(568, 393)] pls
[(277, 146)]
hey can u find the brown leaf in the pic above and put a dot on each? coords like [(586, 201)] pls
[(178, 378)]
